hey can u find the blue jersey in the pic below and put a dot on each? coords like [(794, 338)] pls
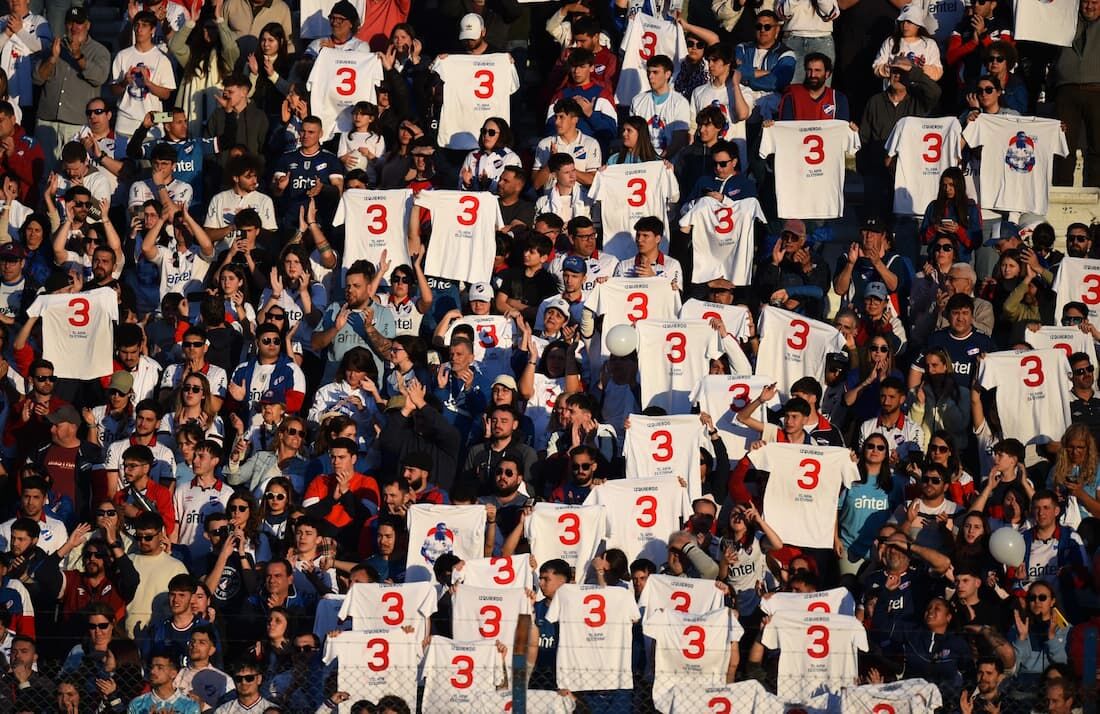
[(864, 508), (963, 352), (303, 171), (189, 157)]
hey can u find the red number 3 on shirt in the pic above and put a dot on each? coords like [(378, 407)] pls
[(81, 312)]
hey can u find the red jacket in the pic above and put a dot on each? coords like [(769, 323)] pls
[(160, 498), (25, 163)]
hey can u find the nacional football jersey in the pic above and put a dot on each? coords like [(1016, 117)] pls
[(723, 396), (746, 696), (627, 192), (374, 221), (665, 446), (1078, 280), (646, 36), (594, 636), (922, 147), (503, 573), (736, 318), (641, 514), (540, 406), (1033, 390), (837, 600), (392, 605), (475, 88), (488, 614), (1067, 339), (76, 331), (723, 238), (1017, 160), (905, 696), (624, 301), (816, 650), (191, 504), (793, 346), (571, 533), (1053, 22), (768, 703), (801, 495), (373, 663), (692, 649), (693, 596), (336, 82), (664, 119), (494, 337), (462, 677), (672, 357), (463, 241), (435, 530), (809, 158)]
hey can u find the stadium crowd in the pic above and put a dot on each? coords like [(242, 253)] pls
[(477, 355)]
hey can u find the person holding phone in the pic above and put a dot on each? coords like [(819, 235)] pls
[(928, 519)]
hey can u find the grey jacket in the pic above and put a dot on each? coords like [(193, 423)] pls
[(66, 90)]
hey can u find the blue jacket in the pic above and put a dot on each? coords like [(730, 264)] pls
[(779, 61)]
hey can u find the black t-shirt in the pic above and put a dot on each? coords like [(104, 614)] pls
[(520, 210), (515, 284)]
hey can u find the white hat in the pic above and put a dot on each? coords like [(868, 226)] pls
[(915, 14), (471, 27), (480, 291)]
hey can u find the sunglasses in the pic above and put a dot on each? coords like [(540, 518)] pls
[(272, 496), (722, 164), (935, 449), (89, 554), (99, 625), (583, 466), (401, 279), (987, 89), (1038, 597), (1070, 321), (943, 248), (505, 472), (294, 431), (192, 345), (221, 532), (995, 58), (303, 649), (147, 537), (1081, 371), (878, 348), (489, 132), (692, 43), (192, 388), (94, 112), (874, 447), (271, 341), (246, 678), (83, 204), (934, 480), (276, 315), (45, 378), (762, 27), (1077, 238), (107, 514), (238, 509)]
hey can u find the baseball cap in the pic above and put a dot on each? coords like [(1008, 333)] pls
[(506, 380), (66, 413), (480, 291), (873, 224), (121, 381), (575, 264), (272, 396), (76, 14), (794, 225), (839, 359), (875, 290), (557, 303), (397, 401), (12, 250), (471, 27)]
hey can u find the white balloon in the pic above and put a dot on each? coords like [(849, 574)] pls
[(622, 340), (1007, 546)]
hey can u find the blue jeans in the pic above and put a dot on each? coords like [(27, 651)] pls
[(802, 46)]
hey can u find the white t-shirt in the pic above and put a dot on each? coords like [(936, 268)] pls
[(924, 148), (622, 301), (815, 650), (1033, 390), (192, 503), (494, 339), (664, 119), (1017, 160), (541, 405), (708, 95), (137, 100), (572, 533), (627, 192), (225, 206), (693, 596), (52, 534), (461, 677), (463, 240), (17, 55), (837, 600), (435, 530), (672, 357), (372, 663), (475, 88), (665, 446), (921, 51), (76, 331), (793, 346), (1051, 21), (1066, 339), (801, 496), (371, 605), (352, 141), (142, 191), (723, 238), (736, 318), (722, 396), (488, 614), (594, 636), (503, 573), (691, 649), (746, 696), (338, 80), (809, 156), (374, 221), (1078, 280), (906, 696), (641, 514), (646, 36)]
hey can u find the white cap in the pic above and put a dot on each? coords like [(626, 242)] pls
[(480, 291), (915, 14), (471, 27)]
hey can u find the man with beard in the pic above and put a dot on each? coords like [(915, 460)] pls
[(417, 470), (894, 598), (506, 500), (107, 574), (813, 100), (502, 443), (584, 467)]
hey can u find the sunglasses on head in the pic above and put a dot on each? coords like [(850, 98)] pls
[(934, 480), (271, 341), (1081, 371), (273, 496), (1038, 597)]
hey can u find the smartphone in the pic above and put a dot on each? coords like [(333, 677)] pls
[(162, 117)]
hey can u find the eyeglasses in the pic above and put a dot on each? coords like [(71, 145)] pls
[(1037, 597), (694, 43), (939, 449), (303, 649), (271, 341), (146, 537), (763, 27), (722, 164), (294, 431), (583, 466), (401, 279), (987, 89), (131, 465), (272, 496), (934, 480), (993, 58), (192, 345), (94, 112), (874, 447), (584, 236), (489, 132), (99, 625), (192, 388), (246, 678), (943, 248), (45, 378), (107, 513), (238, 509), (505, 472), (1081, 371), (878, 348)]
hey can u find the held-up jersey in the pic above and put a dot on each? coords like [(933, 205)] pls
[(665, 446), (1078, 280), (793, 346), (374, 221), (435, 530), (627, 192), (815, 650), (463, 234), (503, 573), (837, 600), (646, 36), (462, 677), (541, 405), (746, 696), (923, 148), (1033, 389), (801, 495), (1017, 160), (373, 663), (641, 514), (572, 533), (1066, 339), (736, 318), (722, 396), (693, 596), (337, 81), (76, 331), (906, 696), (623, 301), (475, 88), (594, 636), (1051, 21), (723, 238), (809, 157), (495, 336), (689, 649), (489, 614), (672, 357), (392, 605)]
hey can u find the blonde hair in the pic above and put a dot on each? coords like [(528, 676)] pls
[(1062, 466)]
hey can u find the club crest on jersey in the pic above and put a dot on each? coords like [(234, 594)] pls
[(439, 541), (1020, 156), (829, 109)]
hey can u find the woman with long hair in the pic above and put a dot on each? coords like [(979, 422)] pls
[(233, 289), (408, 305), (540, 384), (482, 167), (295, 289), (38, 263), (194, 404), (911, 40), (953, 214), (287, 457), (362, 147), (972, 545), (207, 57), (407, 360), (1038, 634), (332, 428), (876, 363), (867, 504), (398, 160), (278, 503), (275, 652), (742, 561), (244, 519), (938, 403), (943, 451), (637, 144), (999, 60), (269, 68), (352, 393), (1074, 476), (86, 657), (936, 651)]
